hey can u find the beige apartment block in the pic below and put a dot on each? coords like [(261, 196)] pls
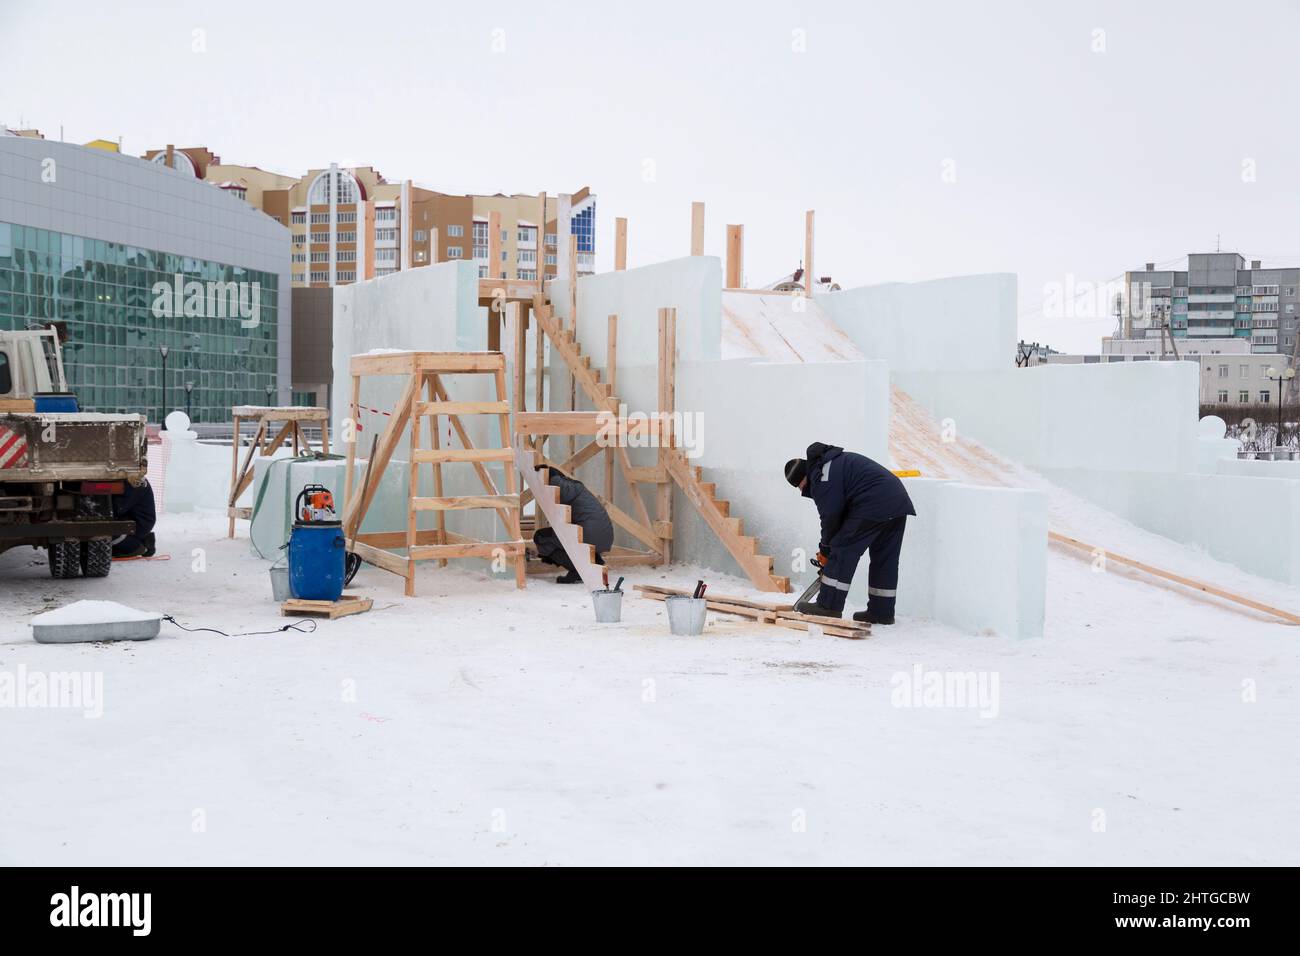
[(353, 224)]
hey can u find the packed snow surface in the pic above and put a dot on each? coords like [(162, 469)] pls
[(477, 724)]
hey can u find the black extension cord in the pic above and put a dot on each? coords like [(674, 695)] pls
[(300, 626)]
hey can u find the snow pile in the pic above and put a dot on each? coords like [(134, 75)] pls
[(95, 612)]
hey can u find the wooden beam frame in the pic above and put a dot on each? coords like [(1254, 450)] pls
[(265, 443), (735, 257), (697, 228), (809, 276), (620, 244)]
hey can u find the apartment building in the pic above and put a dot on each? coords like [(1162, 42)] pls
[(352, 224), (1217, 298)]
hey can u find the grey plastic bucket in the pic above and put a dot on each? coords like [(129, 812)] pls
[(280, 583), (608, 605), (686, 615)]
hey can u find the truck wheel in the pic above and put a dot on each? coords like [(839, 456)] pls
[(96, 558), (64, 558)]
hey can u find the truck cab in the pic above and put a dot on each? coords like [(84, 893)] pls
[(31, 363)]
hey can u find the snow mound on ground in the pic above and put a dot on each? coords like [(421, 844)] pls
[(95, 612)]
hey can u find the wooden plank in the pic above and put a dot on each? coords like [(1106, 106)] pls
[(809, 277), (643, 533), (758, 613), (19, 405), (354, 413), (462, 408), (451, 363), (1192, 583), (283, 413), (667, 392), (735, 257), (494, 245), (346, 605), (481, 549), (383, 363), (611, 379), (697, 228), (512, 516), (563, 423), (380, 559), (413, 490), (426, 455), (492, 291), (234, 472), (620, 244), (656, 475)]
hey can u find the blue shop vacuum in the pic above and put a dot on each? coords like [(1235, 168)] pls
[(319, 564)]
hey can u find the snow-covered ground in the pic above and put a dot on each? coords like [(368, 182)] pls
[(476, 724)]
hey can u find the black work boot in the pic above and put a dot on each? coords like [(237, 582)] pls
[(812, 607), (150, 547), (573, 577), (872, 617)]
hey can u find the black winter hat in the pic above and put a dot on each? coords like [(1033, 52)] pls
[(795, 471)]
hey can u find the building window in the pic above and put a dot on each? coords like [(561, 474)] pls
[(1245, 371), (320, 237), (421, 235), (317, 218), (299, 217), (336, 182), (386, 255), (348, 236), (1223, 371), (527, 257), (384, 272), (455, 232), (1223, 398), (386, 214), (480, 233), (454, 252), (347, 255), (320, 257), (550, 239), (482, 272), (1263, 397), (299, 257), (504, 255), (385, 235), (1244, 397), (347, 217), (348, 276), (320, 277), (528, 274), (300, 239)]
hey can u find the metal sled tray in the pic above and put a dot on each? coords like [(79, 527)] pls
[(107, 631)]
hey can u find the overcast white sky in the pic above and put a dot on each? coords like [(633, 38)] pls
[(1072, 162)]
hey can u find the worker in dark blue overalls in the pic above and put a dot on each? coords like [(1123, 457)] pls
[(135, 504), (863, 508)]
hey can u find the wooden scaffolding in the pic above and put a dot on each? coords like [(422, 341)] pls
[(425, 397), (263, 445)]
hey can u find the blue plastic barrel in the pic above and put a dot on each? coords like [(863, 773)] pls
[(316, 560), (50, 402)]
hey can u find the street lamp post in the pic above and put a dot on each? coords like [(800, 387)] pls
[(189, 390), (162, 392), (1284, 375)]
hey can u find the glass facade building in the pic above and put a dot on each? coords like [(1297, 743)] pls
[(134, 257), (111, 298)]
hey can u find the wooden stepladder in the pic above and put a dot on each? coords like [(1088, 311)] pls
[(425, 397), (241, 476)]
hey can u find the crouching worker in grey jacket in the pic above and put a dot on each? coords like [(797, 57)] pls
[(586, 512)]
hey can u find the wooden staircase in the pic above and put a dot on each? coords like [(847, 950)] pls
[(536, 476), (703, 495)]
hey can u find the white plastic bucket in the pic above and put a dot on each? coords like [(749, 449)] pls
[(686, 615), (608, 605)]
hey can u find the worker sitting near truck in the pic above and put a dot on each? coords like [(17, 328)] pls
[(586, 511), (135, 504), (863, 507)]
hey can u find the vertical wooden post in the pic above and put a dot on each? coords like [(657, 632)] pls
[(809, 277), (539, 397), (573, 324), (541, 245), (735, 257), (611, 374), (697, 228), (414, 487), (494, 246), (353, 412), (667, 392), (512, 488), (517, 310), (435, 430), (620, 244), (234, 473), (433, 245)]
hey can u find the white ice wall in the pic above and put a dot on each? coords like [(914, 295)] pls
[(433, 309), (964, 322), (973, 557)]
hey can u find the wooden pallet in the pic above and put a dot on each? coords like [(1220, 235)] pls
[(344, 606), (780, 615)]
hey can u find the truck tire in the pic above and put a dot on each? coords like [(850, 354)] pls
[(65, 558), (96, 558)]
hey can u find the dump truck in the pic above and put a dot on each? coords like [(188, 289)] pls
[(60, 467)]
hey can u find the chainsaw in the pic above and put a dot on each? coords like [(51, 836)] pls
[(812, 588)]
